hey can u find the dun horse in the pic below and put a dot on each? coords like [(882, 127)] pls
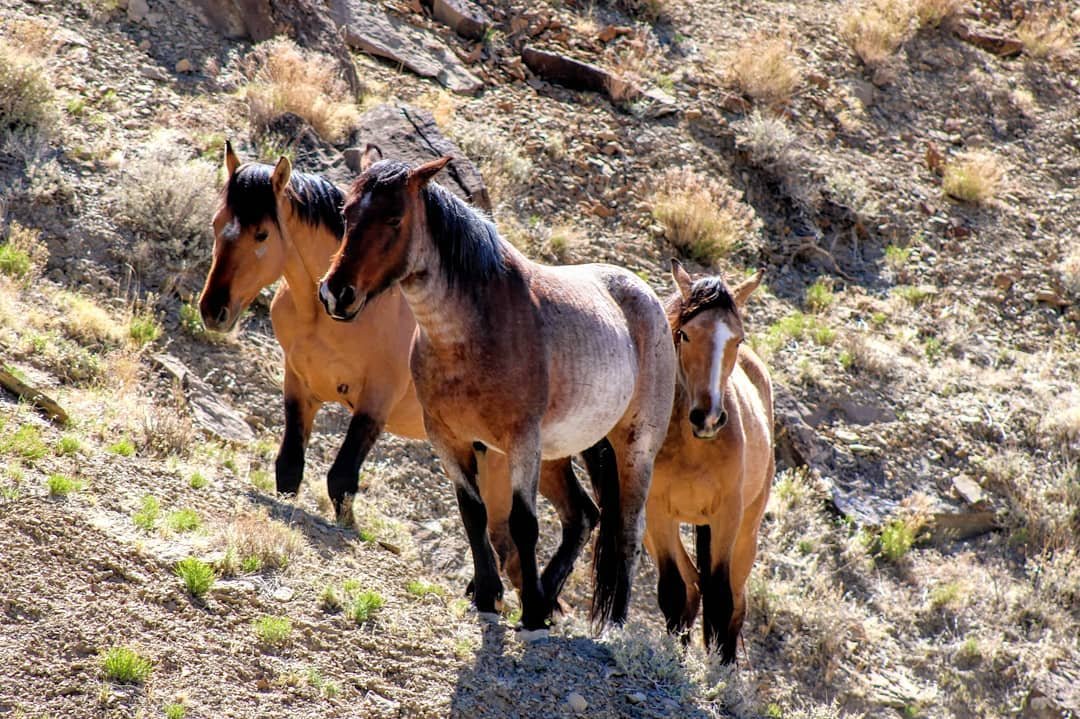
[(532, 361), (716, 466), (273, 222)]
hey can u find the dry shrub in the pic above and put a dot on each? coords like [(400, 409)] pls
[(167, 430), (1047, 34), (931, 13), (764, 67), (771, 142), (26, 93), (255, 534), (973, 177), (647, 10), (286, 78), (168, 200), (1061, 424), (24, 254), (702, 217), (869, 355), (876, 28)]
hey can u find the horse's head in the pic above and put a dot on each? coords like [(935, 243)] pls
[(383, 216), (706, 321), (249, 249)]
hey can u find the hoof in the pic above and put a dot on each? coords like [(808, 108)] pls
[(528, 636), (343, 512)]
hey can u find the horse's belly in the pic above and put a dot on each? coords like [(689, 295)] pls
[(586, 413)]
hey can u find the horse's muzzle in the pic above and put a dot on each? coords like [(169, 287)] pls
[(343, 307), (707, 425)]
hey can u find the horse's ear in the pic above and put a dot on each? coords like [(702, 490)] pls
[(232, 162), (682, 278), (279, 180), (744, 289), (370, 156), (420, 176)]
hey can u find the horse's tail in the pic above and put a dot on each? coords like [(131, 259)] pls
[(608, 562)]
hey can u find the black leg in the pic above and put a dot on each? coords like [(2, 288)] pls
[(524, 530), (289, 465), (717, 600), (343, 478), (671, 595), (578, 518), (487, 587)]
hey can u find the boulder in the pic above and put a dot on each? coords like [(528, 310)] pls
[(207, 410), (464, 17), (369, 28), (410, 134)]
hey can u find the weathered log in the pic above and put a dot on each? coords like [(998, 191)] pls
[(34, 396)]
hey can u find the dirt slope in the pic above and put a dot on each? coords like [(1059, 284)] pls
[(941, 352)]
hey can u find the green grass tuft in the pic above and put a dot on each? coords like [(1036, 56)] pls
[(68, 446), (364, 605), (147, 516), (273, 631), (419, 588), (818, 296), (61, 486), (123, 448), (144, 328), (25, 442), (125, 666), (197, 481), (183, 520), (175, 711), (197, 575)]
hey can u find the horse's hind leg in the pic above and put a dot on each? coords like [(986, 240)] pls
[(344, 476), (578, 515), (300, 409), (677, 583), (493, 480)]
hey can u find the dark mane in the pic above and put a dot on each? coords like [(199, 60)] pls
[(705, 294), (467, 242), (315, 200)]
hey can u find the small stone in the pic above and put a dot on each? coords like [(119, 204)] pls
[(144, 45), (184, 66), (137, 10), (154, 73), (577, 702), (635, 698), (283, 593)]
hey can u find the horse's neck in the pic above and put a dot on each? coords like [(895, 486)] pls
[(447, 316), (307, 256)]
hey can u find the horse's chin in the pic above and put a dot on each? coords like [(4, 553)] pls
[(349, 314), (706, 434)]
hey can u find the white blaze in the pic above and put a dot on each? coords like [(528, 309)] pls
[(720, 340), (260, 250)]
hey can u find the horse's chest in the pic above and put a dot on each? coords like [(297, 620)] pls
[(326, 373), (693, 488)]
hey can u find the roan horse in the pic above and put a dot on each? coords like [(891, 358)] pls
[(273, 222), (532, 361), (716, 466)]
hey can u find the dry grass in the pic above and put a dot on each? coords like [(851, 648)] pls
[(27, 100), (1061, 423), (647, 10), (765, 68), (703, 218), (931, 13), (771, 142), (1047, 34), (23, 255), (876, 28), (255, 534), (504, 167), (286, 78), (88, 323), (973, 177)]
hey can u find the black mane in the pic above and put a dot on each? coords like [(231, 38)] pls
[(706, 294), (250, 197), (467, 242)]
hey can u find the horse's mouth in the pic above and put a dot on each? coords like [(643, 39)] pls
[(346, 314), (706, 434)]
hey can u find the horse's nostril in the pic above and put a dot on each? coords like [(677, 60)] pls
[(697, 417), (222, 316), (347, 296), (722, 419)]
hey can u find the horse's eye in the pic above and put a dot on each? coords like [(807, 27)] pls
[(261, 235), (394, 222), (682, 337)]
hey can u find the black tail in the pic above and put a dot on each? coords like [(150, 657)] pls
[(608, 563)]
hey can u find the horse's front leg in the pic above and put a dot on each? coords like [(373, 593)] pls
[(300, 408), (524, 457), (343, 479), (677, 580), (460, 464), (714, 549)]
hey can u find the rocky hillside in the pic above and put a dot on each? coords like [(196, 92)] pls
[(904, 171)]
